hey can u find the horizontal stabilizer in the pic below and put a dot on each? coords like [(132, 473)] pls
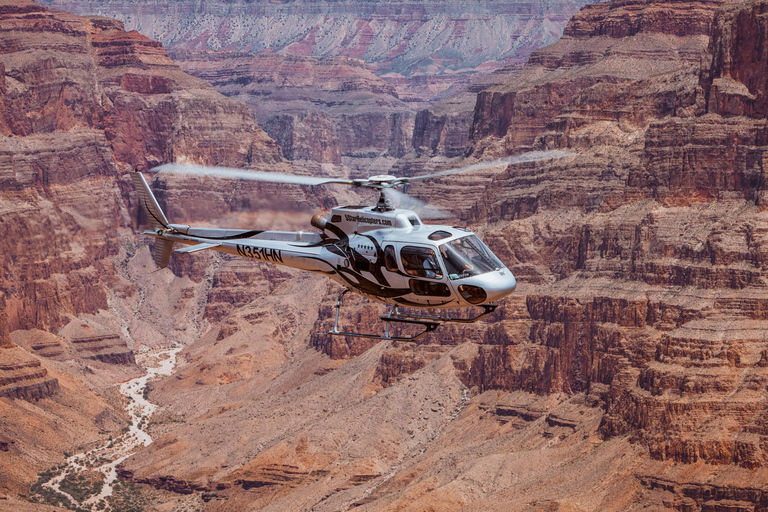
[(198, 247)]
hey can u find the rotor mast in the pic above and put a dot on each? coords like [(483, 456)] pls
[(382, 183)]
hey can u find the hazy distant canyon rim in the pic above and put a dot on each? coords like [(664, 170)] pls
[(405, 37)]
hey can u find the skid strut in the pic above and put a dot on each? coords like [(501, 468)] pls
[(429, 324), (487, 310)]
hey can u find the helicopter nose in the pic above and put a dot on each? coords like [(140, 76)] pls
[(502, 284), (488, 287)]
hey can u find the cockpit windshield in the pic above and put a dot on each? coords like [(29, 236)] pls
[(468, 256)]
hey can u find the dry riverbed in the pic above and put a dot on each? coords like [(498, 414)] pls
[(88, 480)]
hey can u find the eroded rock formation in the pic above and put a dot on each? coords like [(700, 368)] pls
[(342, 82), (634, 353), (24, 378), (82, 101), (429, 40), (325, 110)]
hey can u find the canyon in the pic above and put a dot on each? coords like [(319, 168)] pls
[(348, 82), (628, 372), (404, 37)]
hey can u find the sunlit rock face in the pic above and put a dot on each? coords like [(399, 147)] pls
[(81, 102)]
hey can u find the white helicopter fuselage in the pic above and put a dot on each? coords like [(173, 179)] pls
[(388, 256)]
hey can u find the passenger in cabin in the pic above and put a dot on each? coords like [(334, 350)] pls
[(420, 262)]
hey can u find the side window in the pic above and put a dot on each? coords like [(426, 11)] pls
[(420, 262), (390, 260), (428, 288)]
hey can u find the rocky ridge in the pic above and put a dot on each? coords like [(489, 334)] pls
[(25, 378), (331, 110), (314, 85)]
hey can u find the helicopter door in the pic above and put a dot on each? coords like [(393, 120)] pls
[(428, 277), (391, 270)]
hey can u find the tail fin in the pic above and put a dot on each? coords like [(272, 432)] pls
[(162, 252), (156, 216), (157, 220)]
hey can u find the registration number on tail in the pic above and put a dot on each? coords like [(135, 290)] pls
[(260, 253)]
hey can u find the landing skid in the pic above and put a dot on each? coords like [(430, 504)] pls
[(429, 322)]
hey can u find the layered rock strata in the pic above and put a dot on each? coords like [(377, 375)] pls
[(646, 248), (91, 99), (328, 110), (603, 44), (22, 377), (312, 82), (82, 101), (409, 38), (443, 128), (639, 320)]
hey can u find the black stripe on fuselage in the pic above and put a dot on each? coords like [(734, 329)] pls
[(247, 234)]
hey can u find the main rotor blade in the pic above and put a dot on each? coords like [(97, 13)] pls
[(425, 210), (229, 172), (533, 156)]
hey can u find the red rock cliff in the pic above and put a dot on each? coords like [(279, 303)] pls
[(82, 101), (607, 42)]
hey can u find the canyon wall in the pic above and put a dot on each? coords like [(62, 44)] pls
[(423, 38), (89, 102), (308, 70), (605, 43), (329, 110), (633, 354), (81, 102)]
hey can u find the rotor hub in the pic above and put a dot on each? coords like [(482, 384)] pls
[(383, 179)]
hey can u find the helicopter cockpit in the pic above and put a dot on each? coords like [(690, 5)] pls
[(436, 263), (467, 256)]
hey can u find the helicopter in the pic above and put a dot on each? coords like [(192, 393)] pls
[(383, 253)]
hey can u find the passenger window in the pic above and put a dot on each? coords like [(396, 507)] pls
[(439, 235), (428, 288), (390, 261), (420, 262)]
